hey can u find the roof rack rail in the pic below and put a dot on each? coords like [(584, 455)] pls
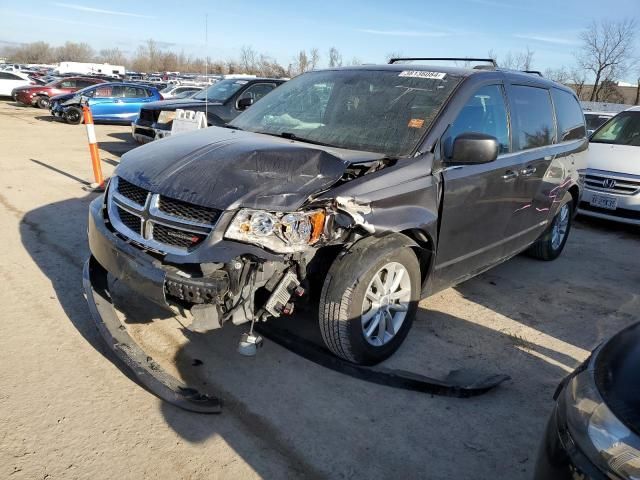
[(534, 72), (444, 59)]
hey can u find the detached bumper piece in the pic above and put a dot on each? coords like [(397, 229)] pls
[(458, 383), (146, 370)]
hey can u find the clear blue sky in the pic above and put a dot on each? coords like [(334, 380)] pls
[(364, 29)]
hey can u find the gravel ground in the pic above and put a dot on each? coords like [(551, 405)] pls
[(69, 410)]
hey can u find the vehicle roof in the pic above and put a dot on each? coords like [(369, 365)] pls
[(633, 109), (125, 84), (512, 75)]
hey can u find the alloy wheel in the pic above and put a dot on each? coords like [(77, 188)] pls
[(385, 304), (560, 227)]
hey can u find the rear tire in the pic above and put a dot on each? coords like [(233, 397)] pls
[(73, 116), (43, 102), (551, 243), (369, 300)]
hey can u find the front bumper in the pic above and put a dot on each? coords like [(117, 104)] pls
[(24, 98), (139, 270), (146, 134), (145, 369), (560, 458), (627, 211)]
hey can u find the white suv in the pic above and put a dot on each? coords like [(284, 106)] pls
[(612, 181)]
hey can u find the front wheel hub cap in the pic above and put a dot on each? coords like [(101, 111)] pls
[(385, 304)]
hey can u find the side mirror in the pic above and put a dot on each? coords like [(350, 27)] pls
[(245, 103), (473, 147)]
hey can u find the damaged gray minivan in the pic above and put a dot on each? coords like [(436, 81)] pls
[(370, 187)]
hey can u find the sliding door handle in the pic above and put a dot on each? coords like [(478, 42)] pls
[(527, 172)]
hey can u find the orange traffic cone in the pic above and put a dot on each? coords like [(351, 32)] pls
[(98, 186)]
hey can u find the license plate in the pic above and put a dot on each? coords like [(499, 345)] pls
[(603, 201)]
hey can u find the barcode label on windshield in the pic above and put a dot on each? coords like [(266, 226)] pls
[(423, 74)]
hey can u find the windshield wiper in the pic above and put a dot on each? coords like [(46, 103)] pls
[(293, 136), (232, 127)]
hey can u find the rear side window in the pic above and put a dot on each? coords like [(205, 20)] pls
[(486, 113), (106, 91), (569, 115), (134, 92), (532, 117), (68, 84)]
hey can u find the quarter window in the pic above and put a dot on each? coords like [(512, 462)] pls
[(257, 91), (533, 122), (569, 115), (486, 113)]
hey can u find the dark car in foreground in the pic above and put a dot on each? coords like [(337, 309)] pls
[(364, 188), (221, 102), (109, 102), (594, 430), (40, 95)]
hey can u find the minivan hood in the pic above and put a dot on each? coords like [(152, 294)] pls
[(228, 169), (179, 103), (614, 158)]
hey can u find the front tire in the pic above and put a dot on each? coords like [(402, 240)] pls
[(73, 116), (43, 102), (369, 300), (551, 243)]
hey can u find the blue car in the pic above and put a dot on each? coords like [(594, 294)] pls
[(109, 102)]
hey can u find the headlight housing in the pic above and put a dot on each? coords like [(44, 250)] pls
[(597, 431), (280, 232)]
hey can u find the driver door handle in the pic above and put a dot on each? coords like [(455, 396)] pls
[(528, 171), (510, 175)]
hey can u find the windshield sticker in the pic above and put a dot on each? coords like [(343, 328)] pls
[(416, 123), (423, 74)]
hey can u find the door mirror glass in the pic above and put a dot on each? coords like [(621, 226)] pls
[(472, 147), (245, 103)]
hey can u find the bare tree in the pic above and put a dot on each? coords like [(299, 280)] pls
[(578, 79), (515, 60), (335, 58), (248, 59), (391, 55), (35, 52), (300, 63), (607, 49), (114, 56), (560, 75), (314, 58), (75, 52)]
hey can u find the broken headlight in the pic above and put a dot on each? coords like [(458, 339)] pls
[(277, 231)]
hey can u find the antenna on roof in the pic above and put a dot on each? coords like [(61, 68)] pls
[(206, 65), (491, 61)]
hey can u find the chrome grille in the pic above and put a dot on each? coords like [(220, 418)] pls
[(132, 192), (188, 211), (611, 182), (160, 223), (131, 221)]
